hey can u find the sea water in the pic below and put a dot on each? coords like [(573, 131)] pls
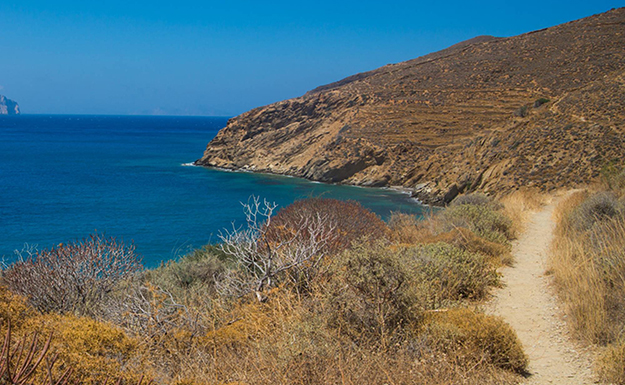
[(63, 177)]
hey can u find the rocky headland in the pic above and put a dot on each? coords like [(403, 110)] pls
[(8, 106), (542, 109)]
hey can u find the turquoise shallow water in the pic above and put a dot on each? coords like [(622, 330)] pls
[(64, 177)]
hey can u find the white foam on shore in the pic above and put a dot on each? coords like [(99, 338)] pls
[(191, 164)]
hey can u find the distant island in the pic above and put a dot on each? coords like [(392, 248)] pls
[(541, 109), (8, 106)]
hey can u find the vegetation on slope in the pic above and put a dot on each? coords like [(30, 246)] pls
[(588, 262), (490, 115), (320, 292)]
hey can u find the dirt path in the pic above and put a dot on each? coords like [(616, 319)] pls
[(528, 304)]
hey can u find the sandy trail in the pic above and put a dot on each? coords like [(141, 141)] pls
[(528, 304)]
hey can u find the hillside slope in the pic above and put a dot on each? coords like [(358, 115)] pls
[(465, 118)]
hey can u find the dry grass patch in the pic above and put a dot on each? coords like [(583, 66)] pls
[(588, 263), (519, 205)]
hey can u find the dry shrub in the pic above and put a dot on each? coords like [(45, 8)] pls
[(588, 262), (611, 364), (93, 350), (287, 340), (352, 221), (379, 291), (479, 336), (75, 277), (595, 209), (613, 178), (361, 320), (465, 239), (14, 308), (443, 274), (22, 362), (162, 321), (482, 220), (406, 228), (478, 199), (370, 293)]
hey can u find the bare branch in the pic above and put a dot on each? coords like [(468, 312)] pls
[(263, 258)]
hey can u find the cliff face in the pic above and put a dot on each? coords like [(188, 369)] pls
[(8, 106), (472, 117)]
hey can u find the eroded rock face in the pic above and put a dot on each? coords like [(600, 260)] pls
[(462, 119), (8, 106)]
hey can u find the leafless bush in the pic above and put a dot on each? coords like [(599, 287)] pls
[(74, 277), (295, 255)]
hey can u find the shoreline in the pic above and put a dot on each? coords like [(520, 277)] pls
[(398, 189)]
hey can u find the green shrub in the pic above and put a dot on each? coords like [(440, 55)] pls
[(198, 269), (482, 220), (597, 208), (613, 176), (521, 112), (477, 199), (479, 335), (540, 102), (472, 199)]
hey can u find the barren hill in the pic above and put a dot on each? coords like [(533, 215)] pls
[(545, 108)]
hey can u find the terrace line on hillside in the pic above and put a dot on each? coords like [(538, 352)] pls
[(492, 114)]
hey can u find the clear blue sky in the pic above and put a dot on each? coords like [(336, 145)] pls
[(222, 58)]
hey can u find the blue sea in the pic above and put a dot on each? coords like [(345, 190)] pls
[(63, 177)]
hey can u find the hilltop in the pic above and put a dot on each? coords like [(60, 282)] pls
[(543, 109), (8, 106)]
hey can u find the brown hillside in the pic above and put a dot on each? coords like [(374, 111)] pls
[(461, 119)]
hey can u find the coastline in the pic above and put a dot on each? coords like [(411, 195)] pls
[(399, 189)]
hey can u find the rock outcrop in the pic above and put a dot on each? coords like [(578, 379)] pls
[(8, 106), (543, 109)]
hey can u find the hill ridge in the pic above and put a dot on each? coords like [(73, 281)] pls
[(544, 108)]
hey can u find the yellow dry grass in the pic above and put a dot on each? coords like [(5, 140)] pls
[(588, 264), (520, 204)]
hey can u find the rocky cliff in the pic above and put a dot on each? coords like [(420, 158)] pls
[(8, 106), (543, 109)]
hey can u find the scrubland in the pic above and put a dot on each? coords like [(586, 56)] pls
[(319, 292), (588, 264)]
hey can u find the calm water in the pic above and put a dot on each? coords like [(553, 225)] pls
[(64, 177)]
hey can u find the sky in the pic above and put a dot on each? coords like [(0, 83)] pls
[(222, 58)]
